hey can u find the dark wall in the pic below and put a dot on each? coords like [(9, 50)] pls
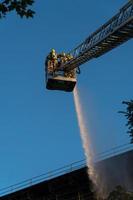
[(117, 170), (114, 171), (71, 186)]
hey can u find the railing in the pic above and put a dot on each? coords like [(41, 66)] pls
[(125, 14), (66, 169), (113, 152), (43, 177)]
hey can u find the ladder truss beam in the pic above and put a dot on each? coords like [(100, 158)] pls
[(116, 31)]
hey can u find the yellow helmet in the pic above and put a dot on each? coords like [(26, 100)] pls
[(53, 50), (69, 56), (63, 54)]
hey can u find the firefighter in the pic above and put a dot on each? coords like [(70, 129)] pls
[(62, 58), (71, 73), (69, 57), (52, 61), (53, 56)]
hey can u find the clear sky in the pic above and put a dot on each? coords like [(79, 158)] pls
[(38, 128)]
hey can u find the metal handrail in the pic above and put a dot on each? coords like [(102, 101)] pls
[(64, 170), (43, 177), (114, 152)]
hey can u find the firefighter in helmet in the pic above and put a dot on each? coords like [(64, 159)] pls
[(69, 57), (52, 61), (62, 58), (53, 57), (70, 74)]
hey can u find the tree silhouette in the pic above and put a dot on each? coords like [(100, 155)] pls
[(20, 6), (119, 193), (129, 115)]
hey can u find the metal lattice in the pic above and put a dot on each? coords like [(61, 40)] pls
[(116, 31)]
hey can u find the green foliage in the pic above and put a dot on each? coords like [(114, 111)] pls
[(20, 6), (129, 115), (119, 193)]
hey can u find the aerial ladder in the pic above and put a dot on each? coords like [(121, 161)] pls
[(113, 33)]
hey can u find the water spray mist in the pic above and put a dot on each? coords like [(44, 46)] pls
[(85, 138)]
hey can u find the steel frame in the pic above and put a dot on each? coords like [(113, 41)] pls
[(116, 31)]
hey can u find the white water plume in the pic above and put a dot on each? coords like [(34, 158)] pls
[(85, 138)]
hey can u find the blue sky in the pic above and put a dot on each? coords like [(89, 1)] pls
[(38, 128)]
